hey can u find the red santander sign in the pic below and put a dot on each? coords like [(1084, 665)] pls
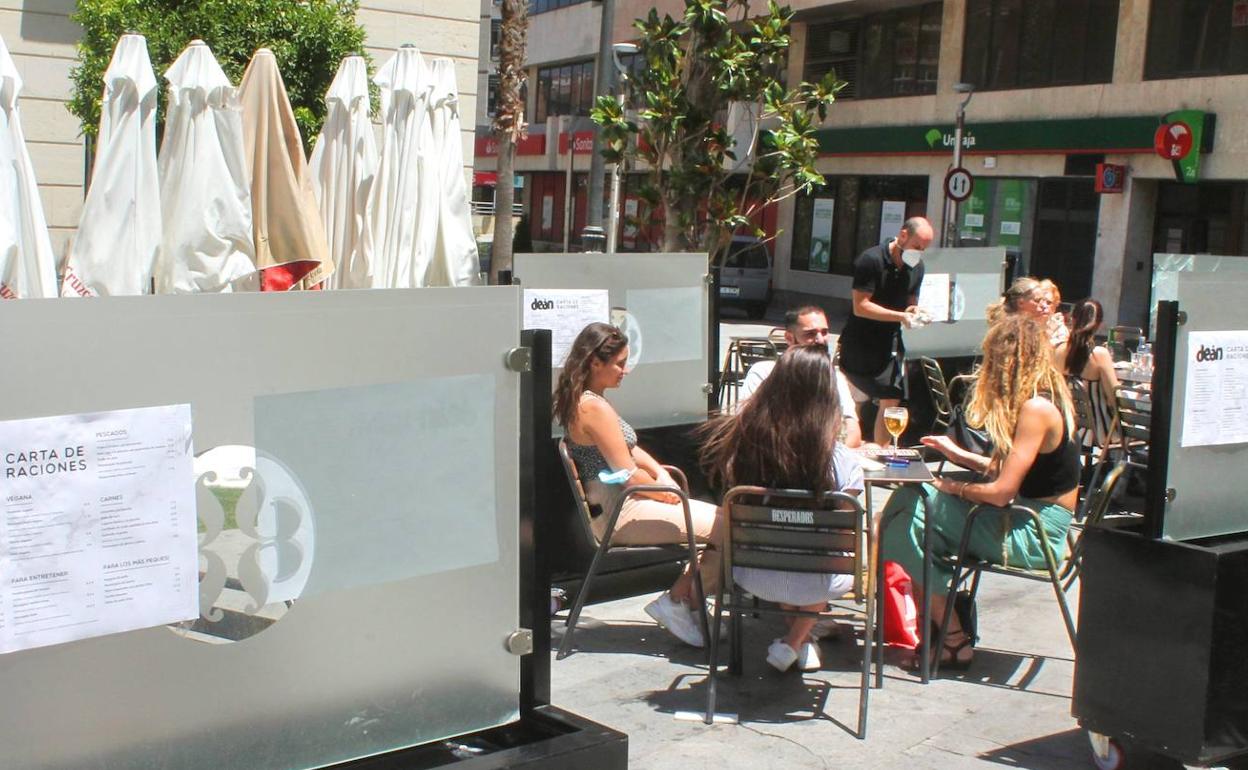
[(1173, 141), (533, 144)]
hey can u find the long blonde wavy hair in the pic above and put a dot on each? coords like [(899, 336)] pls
[(1018, 365)]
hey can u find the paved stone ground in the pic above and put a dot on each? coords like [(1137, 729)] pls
[(1011, 708)]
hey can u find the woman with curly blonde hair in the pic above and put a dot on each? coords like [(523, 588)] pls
[(1022, 401)]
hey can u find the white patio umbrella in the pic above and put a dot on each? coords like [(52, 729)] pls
[(27, 264), (455, 261), (119, 232), (291, 252), (344, 165), (205, 187), (402, 225)]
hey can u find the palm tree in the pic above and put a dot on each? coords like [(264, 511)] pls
[(509, 127)]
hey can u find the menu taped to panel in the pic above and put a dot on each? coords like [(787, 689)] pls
[(97, 525), (565, 312), (1215, 403)]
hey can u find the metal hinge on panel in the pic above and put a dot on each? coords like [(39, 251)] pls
[(519, 359), (1171, 493), (707, 279), (707, 388), (520, 642), (1182, 317)]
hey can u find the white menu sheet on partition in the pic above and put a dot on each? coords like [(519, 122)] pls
[(97, 525), (1215, 404), (565, 312), (934, 296)]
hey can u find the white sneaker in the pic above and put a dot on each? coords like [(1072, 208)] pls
[(678, 619), (781, 656), (808, 657)]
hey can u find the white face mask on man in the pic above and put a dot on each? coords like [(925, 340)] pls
[(912, 257)]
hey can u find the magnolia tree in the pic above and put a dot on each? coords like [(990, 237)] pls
[(692, 70)]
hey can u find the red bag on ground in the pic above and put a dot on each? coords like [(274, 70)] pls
[(901, 626)]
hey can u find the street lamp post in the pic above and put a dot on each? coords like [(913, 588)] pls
[(613, 222), (951, 206)]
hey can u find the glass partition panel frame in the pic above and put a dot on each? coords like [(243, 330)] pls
[(347, 672), (668, 388), (1167, 267), (1209, 481), (963, 337)]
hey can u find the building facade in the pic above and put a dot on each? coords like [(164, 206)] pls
[(42, 39), (1064, 89)]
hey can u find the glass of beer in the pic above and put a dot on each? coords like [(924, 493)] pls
[(895, 419)]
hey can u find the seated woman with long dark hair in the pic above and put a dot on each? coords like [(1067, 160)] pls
[(1023, 403), (1080, 357), (599, 440), (785, 436)]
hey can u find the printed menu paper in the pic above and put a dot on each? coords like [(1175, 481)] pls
[(565, 312), (97, 525), (934, 296), (1215, 402)]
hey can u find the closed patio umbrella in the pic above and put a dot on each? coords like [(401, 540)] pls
[(291, 252), (119, 233), (205, 185), (455, 261), (27, 265), (403, 227), (344, 165)]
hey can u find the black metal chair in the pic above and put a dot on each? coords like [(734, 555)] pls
[(1097, 515), (791, 531), (588, 512), (742, 353), (969, 568), (942, 400)]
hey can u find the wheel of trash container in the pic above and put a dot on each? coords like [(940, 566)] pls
[(1107, 753)]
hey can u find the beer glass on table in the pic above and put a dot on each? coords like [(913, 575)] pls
[(895, 419)]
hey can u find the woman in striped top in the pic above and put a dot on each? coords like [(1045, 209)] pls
[(1081, 357)]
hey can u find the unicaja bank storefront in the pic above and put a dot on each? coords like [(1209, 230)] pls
[(1086, 201)]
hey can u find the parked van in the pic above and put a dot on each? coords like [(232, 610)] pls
[(745, 276)]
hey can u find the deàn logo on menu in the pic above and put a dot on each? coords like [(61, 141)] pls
[(1209, 354), (543, 304)]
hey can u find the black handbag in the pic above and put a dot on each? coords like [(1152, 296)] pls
[(974, 440)]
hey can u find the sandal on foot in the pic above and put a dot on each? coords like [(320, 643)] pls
[(955, 643)]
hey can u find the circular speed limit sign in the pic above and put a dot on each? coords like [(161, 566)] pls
[(958, 184)]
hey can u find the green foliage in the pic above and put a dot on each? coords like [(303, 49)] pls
[(694, 68), (308, 37)]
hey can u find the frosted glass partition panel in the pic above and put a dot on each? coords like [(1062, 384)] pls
[(975, 281), (660, 300), (1166, 270), (357, 590), (1209, 481)]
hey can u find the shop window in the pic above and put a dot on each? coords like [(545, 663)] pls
[(1195, 38), (999, 212), (566, 89), (1038, 43), (886, 54), (849, 214)]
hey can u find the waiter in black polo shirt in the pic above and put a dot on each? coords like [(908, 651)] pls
[(886, 289)]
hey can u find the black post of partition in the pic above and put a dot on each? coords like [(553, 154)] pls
[(712, 369), (1168, 316), (535, 420)]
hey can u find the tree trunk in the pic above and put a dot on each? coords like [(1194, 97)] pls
[(509, 126)]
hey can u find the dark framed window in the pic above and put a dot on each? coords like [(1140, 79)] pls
[(565, 89), (496, 36), (1196, 38), (491, 103), (859, 206), (885, 54), (1039, 43)]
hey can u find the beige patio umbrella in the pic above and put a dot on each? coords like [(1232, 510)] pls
[(343, 165), (291, 251), (27, 264)]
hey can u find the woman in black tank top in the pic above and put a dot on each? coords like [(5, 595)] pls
[(1022, 401)]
